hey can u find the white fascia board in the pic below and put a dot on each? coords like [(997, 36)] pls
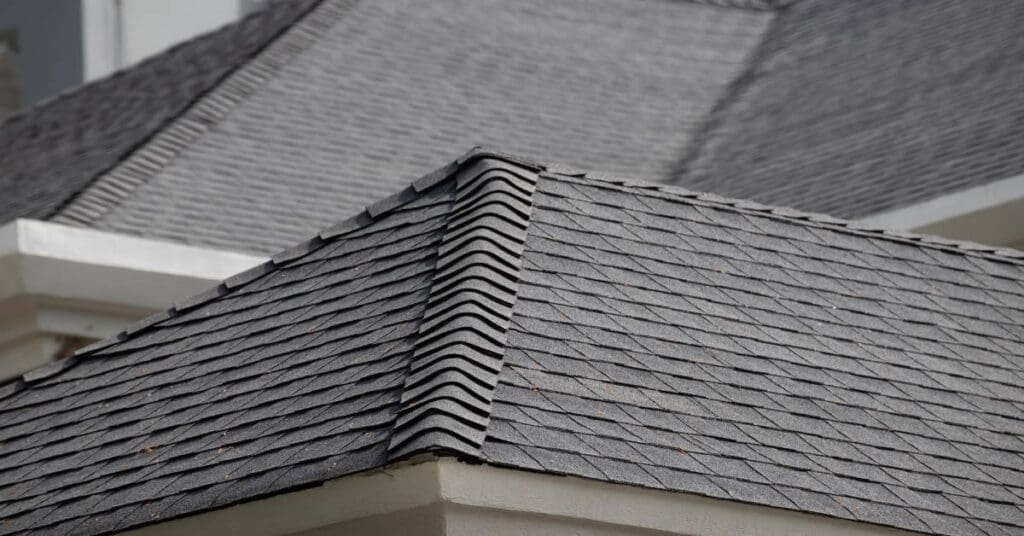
[(990, 214), (443, 496), (59, 262)]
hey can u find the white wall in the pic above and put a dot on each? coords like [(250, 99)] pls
[(119, 33)]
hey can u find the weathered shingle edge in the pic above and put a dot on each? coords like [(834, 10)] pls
[(811, 219), (111, 188), (372, 213), (446, 401)]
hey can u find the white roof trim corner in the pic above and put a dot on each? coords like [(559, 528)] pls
[(66, 262), (990, 214)]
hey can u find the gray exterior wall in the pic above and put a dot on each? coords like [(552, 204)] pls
[(49, 37)]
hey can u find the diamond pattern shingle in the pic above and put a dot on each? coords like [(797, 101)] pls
[(792, 364), (658, 338), (290, 378)]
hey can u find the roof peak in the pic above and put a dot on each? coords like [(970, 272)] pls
[(464, 315), (461, 343), (494, 209)]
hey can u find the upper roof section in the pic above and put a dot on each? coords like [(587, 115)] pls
[(53, 151), (248, 127), (824, 106), (856, 108), (520, 315)]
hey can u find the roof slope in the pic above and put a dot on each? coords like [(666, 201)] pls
[(55, 150), (530, 317), (820, 105), (381, 90), (854, 108)]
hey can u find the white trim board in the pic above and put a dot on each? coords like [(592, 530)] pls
[(442, 496), (991, 214), (59, 281)]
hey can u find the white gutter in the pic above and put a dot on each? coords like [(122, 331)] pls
[(991, 214), (59, 282)]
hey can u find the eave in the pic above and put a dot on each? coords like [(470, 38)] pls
[(989, 214), (64, 282)]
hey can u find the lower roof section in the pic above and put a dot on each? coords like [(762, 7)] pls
[(446, 497), (530, 316)]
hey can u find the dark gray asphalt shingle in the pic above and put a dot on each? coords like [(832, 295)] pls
[(855, 108), (659, 338), (290, 378)]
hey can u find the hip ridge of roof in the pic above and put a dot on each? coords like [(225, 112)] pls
[(458, 356)]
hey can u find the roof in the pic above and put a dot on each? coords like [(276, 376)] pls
[(854, 109), (538, 318), (52, 152), (272, 108), (817, 105)]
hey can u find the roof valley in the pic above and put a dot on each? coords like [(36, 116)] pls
[(448, 392), (686, 169)]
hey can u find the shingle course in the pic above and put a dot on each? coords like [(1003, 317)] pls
[(724, 372), (854, 110)]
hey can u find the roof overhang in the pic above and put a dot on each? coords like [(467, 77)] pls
[(990, 214), (61, 281), (443, 496)]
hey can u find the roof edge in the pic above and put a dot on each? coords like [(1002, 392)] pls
[(111, 187), (512, 164), (854, 227), (952, 209), (372, 213), (460, 347)]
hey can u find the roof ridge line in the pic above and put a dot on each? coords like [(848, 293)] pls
[(369, 215), (824, 221), (111, 187), (459, 352)]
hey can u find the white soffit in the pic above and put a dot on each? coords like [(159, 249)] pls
[(442, 496), (990, 214)]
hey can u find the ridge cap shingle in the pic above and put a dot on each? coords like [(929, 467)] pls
[(441, 383), (447, 397)]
